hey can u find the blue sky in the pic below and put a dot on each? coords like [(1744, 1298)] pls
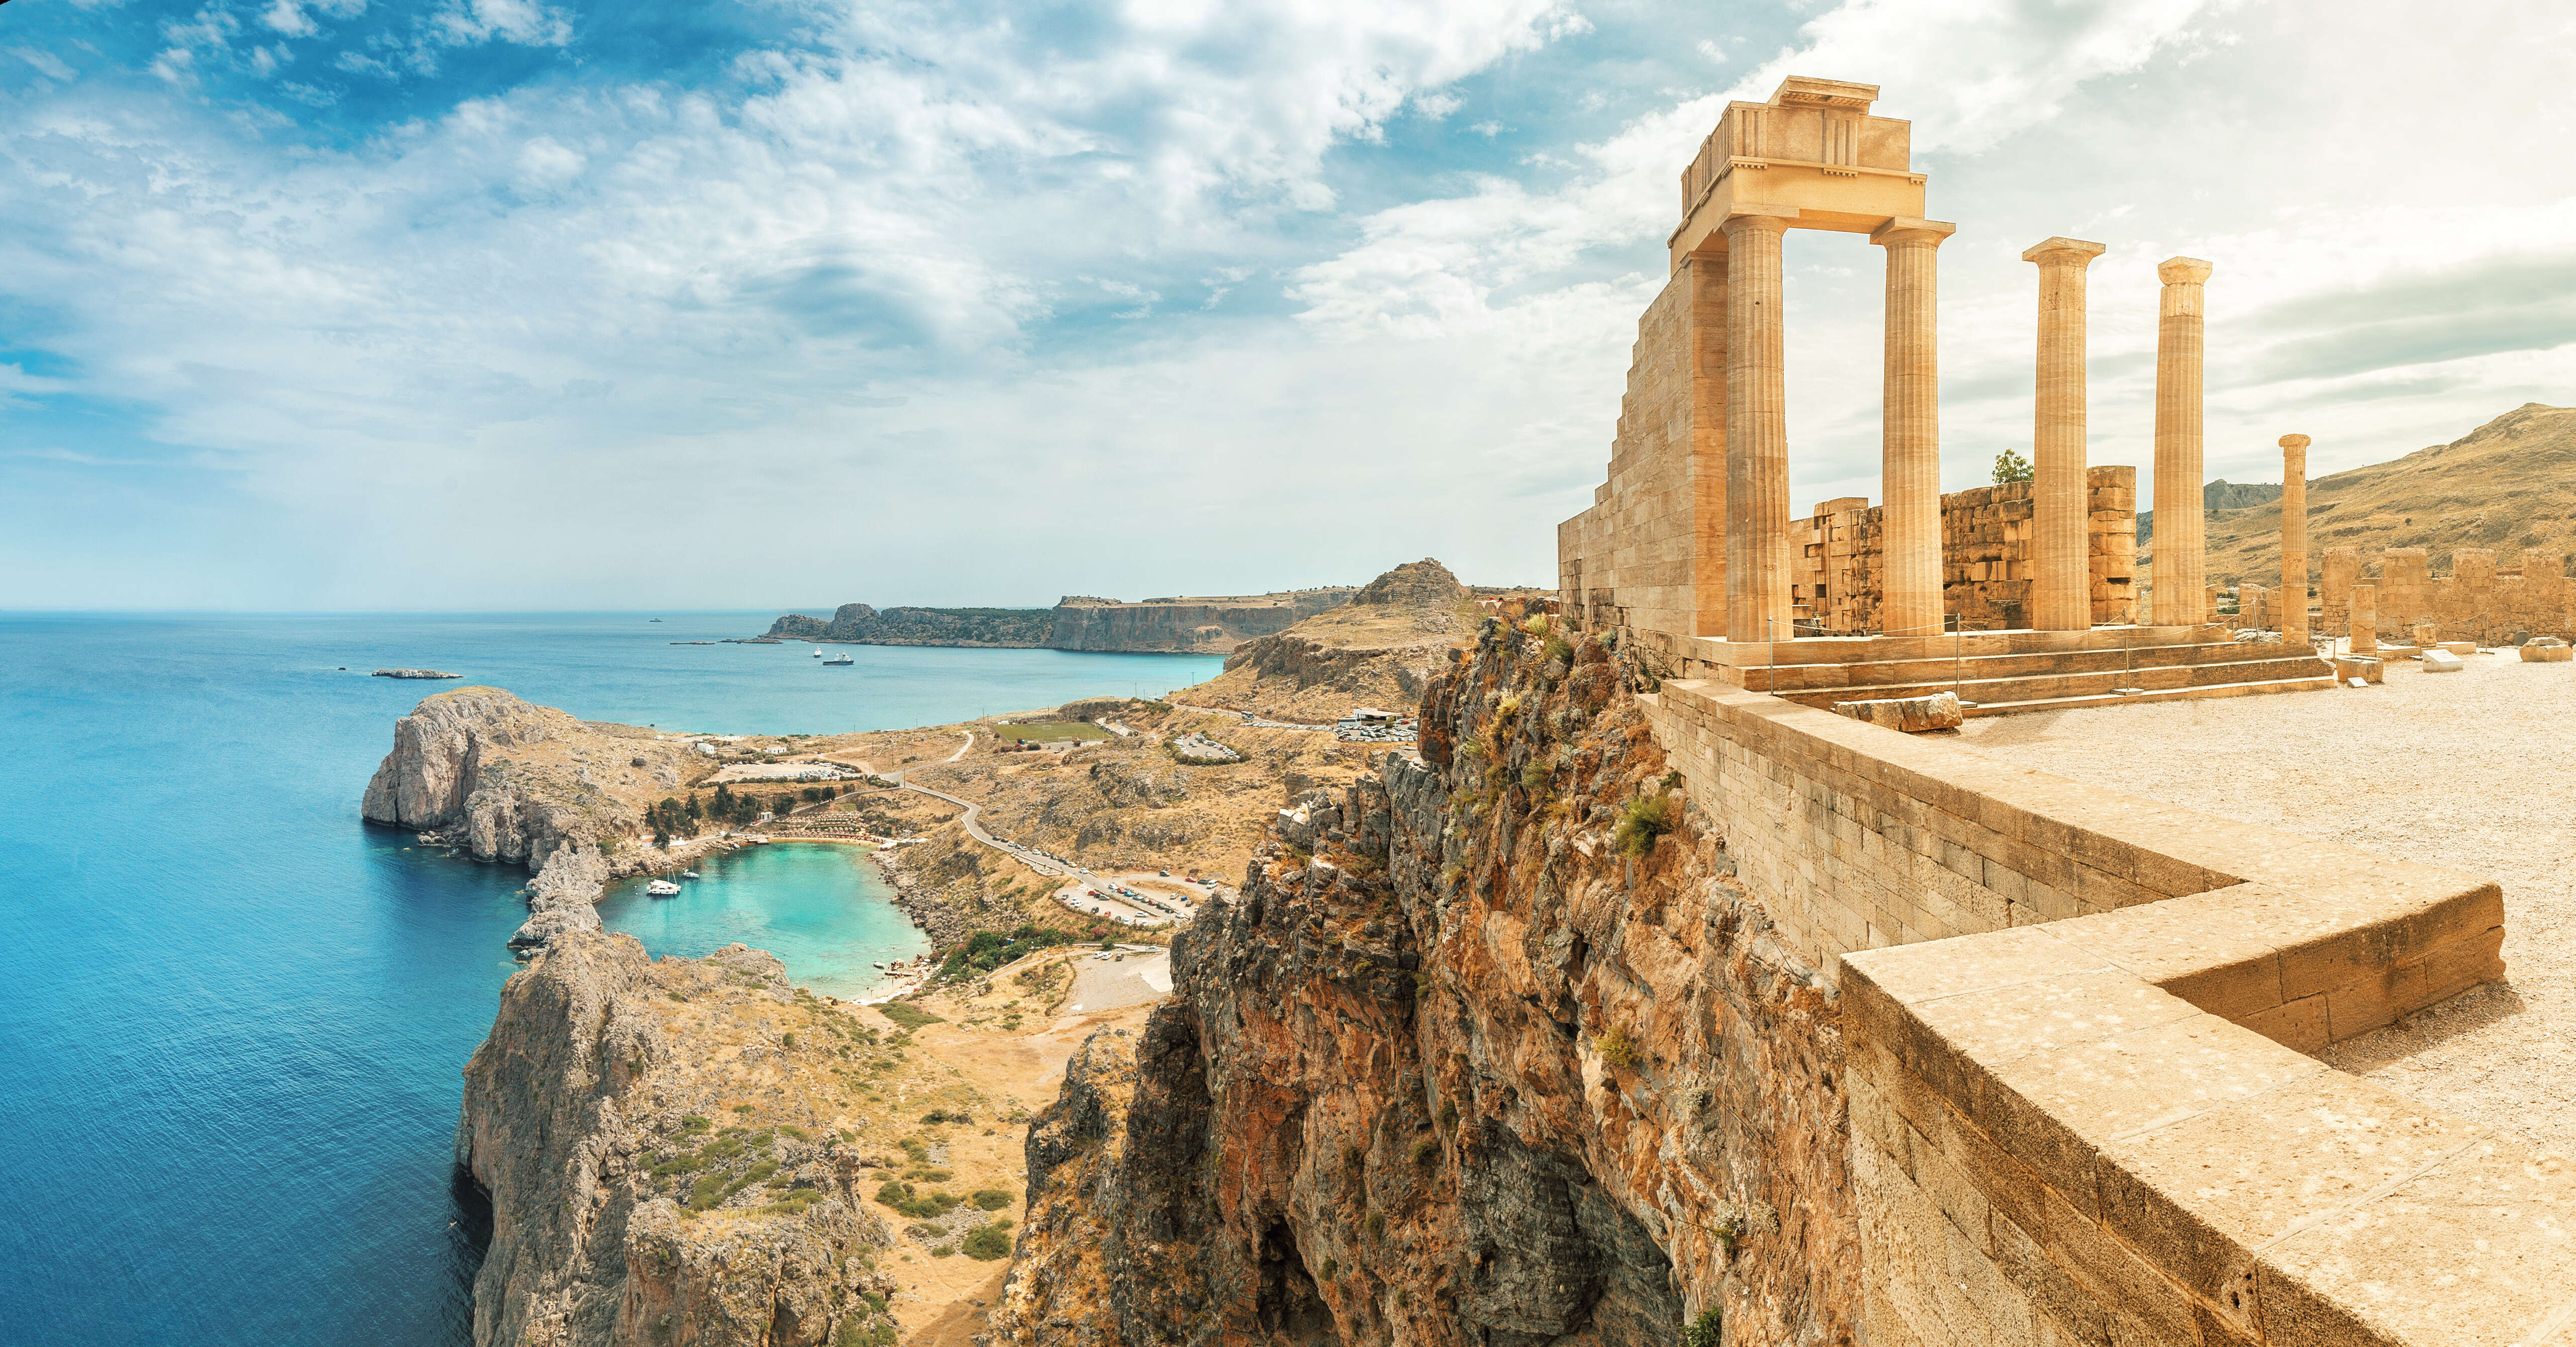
[(500, 303)]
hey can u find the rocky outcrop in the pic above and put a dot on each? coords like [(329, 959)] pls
[(1077, 622), (591, 1117), (975, 627), (1499, 1057), (1209, 626), (504, 780)]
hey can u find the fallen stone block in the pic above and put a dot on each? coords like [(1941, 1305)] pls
[(2363, 667), (2439, 660), (2548, 652), (2459, 647), (1940, 711)]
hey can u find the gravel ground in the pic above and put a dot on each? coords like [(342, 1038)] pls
[(2468, 770)]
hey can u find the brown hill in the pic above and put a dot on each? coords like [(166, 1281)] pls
[(1376, 650), (2510, 485)]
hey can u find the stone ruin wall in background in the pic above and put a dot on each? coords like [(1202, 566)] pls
[(2475, 602), (1986, 562)]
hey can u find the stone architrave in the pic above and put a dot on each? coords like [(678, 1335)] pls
[(1757, 432), (2061, 589), (1910, 434), (2181, 560), (2365, 620), (2294, 538)]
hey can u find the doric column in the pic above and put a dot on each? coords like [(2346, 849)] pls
[(2061, 588), (1910, 430), (2294, 539), (2180, 542), (1757, 434)]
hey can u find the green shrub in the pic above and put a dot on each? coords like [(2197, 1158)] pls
[(992, 1199), (683, 1163), (694, 1123), (985, 1244), (742, 1108), (796, 1132), (708, 1192), (1617, 1048), (1646, 818), (909, 1016), (1374, 1223), (1705, 1331), (893, 1193)]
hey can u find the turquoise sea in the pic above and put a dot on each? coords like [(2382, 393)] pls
[(229, 1056)]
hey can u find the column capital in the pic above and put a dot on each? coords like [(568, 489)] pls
[(2294, 441), (1904, 231), (1759, 219), (2062, 251), (2182, 271)]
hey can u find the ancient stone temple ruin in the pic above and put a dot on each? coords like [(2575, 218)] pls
[(2073, 1027), (2015, 597)]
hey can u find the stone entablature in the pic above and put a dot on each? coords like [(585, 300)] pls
[(1989, 557), (2475, 602), (2075, 1026)]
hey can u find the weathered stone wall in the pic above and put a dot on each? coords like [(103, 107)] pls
[(2477, 601), (1651, 552), (2087, 1116), (1986, 556)]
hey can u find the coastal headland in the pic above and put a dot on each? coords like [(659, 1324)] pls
[(886, 1133)]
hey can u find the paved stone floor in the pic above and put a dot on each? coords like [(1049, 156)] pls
[(2474, 771)]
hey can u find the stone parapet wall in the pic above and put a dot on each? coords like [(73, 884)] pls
[(2079, 1105), (2477, 601), (1651, 550)]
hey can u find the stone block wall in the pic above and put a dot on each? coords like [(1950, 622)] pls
[(1985, 562), (2478, 601), (2079, 1104), (1651, 552)]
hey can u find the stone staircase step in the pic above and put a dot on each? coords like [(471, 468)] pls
[(2319, 683), (2051, 686), (1795, 678)]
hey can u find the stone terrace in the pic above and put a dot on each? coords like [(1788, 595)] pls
[(2464, 770)]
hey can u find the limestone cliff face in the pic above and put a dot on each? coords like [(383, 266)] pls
[(1461, 1070), (595, 1066), (1203, 626), (510, 781)]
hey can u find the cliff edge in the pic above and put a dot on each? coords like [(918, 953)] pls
[(1377, 650), (1494, 1052), (661, 1167)]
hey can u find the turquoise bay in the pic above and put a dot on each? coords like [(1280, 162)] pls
[(231, 1054)]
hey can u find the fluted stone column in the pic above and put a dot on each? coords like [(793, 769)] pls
[(1757, 434), (1910, 430), (2365, 620), (2294, 539), (2061, 588), (2180, 540)]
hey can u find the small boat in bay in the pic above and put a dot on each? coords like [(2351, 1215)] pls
[(840, 660), (688, 874), (662, 888)]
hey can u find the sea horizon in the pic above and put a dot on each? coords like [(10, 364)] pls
[(234, 1086)]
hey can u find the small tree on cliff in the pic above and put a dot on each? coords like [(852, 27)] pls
[(2010, 466)]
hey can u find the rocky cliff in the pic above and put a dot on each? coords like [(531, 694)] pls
[(1377, 650), (1490, 1050), (1202, 626), (1077, 622), (505, 780), (661, 1165), (863, 625)]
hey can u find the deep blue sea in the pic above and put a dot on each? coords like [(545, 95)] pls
[(229, 1056)]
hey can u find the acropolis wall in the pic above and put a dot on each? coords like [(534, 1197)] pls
[(2477, 601)]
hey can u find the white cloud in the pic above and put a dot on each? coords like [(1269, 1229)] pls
[(45, 61), (1436, 106), (869, 271), (288, 17)]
